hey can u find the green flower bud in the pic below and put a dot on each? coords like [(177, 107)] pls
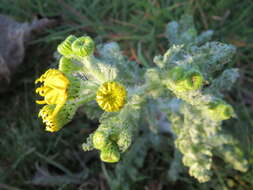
[(193, 80), (65, 47), (220, 110), (100, 140), (83, 46), (176, 74), (67, 66), (110, 153), (184, 80)]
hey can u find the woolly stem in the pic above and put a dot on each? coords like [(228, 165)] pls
[(91, 64)]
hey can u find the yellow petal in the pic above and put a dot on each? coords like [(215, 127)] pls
[(57, 80), (55, 97), (41, 102), (42, 90)]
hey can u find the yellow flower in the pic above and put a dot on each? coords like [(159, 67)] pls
[(46, 113), (56, 120), (53, 89), (111, 96)]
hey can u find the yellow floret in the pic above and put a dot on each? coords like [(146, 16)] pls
[(46, 113)]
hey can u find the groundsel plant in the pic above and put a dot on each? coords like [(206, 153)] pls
[(185, 84)]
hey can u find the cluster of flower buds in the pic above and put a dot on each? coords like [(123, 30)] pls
[(73, 47), (111, 142)]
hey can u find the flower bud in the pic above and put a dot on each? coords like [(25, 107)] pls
[(185, 80), (220, 110), (100, 140), (193, 80), (83, 46), (65, 47), (110, 153)]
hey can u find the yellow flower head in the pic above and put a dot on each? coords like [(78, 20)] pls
[(54, 87), (55, 120), (111, 96), (46, 113)]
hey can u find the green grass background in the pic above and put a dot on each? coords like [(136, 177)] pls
[(31, 158)]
